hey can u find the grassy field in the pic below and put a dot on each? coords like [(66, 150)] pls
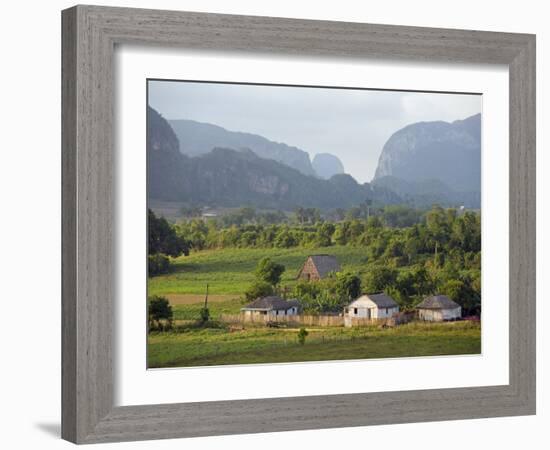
[(230, 271), (191, 311), (263, 345), (189, 299)]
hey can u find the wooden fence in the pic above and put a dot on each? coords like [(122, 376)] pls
[(315, 320), (396, 319), (296, 320)]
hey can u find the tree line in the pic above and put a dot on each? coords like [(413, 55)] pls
[(439, 253), (437, 230)]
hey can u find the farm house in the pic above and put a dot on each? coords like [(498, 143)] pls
[(272, 306), (371, 306), (438, 308), (318, 267)]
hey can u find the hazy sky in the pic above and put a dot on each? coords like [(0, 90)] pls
[(351, 124)]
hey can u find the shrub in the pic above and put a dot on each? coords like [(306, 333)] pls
[(159, 309), (158, 264), (204, 315), (302, 336)]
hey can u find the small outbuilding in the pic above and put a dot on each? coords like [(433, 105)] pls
[(370, 306), (438, 308), (271, 306), (318, 267)]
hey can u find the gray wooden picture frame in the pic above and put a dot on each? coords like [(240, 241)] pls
[(90, 34)]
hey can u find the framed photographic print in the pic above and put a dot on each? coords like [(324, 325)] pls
[(255, 199)]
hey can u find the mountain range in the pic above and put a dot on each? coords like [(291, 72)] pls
[(229, 177), (198, 138), (201, 163)]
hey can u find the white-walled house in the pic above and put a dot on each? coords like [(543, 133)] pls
[(271, 306), (370, 306), (438, 308)]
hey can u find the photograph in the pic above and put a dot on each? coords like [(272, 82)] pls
[(290, 224)]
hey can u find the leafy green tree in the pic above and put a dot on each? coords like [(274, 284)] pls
[(307, 294), (159, 309), (394, 248), (423, 282), (258, 289), (324, 234), (377, 246), (248, 239), (379, 278), (412, 244), (342, 233), (269, 271), (158, 264), (307, 215), (318, 297), (475, 284), (356, 229), (229, 237), (466, 232), (300, 215), (438, 223), (285, 239), (347, 286), (194, 231), (463, 294), (162, 237), (314, 215), (327, 301)]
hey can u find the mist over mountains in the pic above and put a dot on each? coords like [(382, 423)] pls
[(201, 163)]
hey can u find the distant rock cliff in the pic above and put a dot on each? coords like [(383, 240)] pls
[(448, 152), (327, 165)]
